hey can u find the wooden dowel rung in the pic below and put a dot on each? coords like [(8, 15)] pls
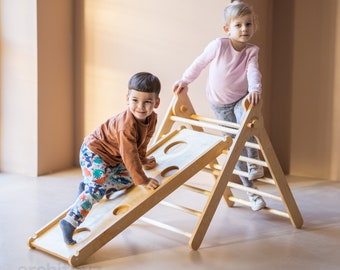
[(247, 144), (253, 145), (216, 166), (271, 210), (249, 160), (214, 127), (217, 172), (196, 189), (215, 121), (165, 226), (182, 208), (253, 161), (266, 180), (240, 173), (277, 212), (203, 124), (212, 171), (255, 191), (215, 169)]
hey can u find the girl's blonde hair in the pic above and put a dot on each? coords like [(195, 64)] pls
[(238, 9)]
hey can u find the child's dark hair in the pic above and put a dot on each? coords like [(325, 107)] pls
[(145, 82)]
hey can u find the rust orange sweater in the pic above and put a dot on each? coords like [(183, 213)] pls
[(123, 139)]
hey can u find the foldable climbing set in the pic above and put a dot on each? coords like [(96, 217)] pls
[(185, 144)]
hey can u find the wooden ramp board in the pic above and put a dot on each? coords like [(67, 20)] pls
[(180, 155)]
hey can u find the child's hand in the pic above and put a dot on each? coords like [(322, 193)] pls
[(179, 87), (153, 184), (254, 98), (150, 163)]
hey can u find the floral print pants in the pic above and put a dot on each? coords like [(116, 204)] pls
[(99, 179)]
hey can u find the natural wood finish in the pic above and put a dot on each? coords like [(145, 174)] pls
[(251, 125), (110, 217), (180, 153)]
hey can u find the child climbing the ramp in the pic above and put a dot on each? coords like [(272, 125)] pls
[(233, 75), (113, 156)]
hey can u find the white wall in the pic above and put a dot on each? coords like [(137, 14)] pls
[(18, 145), (119, 38), (36, 124), (42, 127), (124, 37), (315, 133)]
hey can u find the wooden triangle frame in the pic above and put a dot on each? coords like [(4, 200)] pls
[(252, 124), (201, 151)]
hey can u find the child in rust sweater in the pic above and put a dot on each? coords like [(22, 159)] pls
[(112, 157)]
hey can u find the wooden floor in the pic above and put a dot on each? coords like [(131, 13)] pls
[(237, 238)]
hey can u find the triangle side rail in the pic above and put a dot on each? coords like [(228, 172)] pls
[(280, 180), (255, 124), (220, 186)]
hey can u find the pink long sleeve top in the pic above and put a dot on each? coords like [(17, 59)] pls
[(232, 74)]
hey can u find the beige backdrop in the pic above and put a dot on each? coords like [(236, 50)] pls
[(65, 66)]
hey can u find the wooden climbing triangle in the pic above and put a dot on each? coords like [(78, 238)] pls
[(252, 124), (185, 144)]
